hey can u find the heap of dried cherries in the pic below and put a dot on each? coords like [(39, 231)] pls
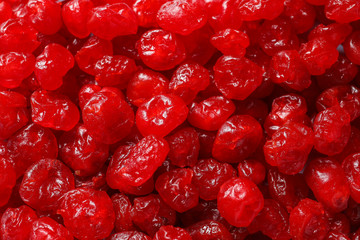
[(179, 119)]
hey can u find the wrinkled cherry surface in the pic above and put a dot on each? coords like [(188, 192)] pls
[(179, 119)]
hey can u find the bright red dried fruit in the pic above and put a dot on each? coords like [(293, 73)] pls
[(308, 221), (130, 235), (45, 15), (211, 113), (45, 228), (52, 65), (289, 147), (30, 145), (107, 116), (75, 15), (231, 42), (7, 181), (92, 51), (335, 33), (240, 201), (16, 223), (184, 147), (327, 180), (237, 139), (273, 221), (332, 130), (209, 175), (301, 15), (15, 67), (53, 110), (122, 208), (44, 184), (146, 11), (161, 50), (81, 152), (172, 233), (252, 169), (176, 189), (160, 115), (352, 47), (343, 11), (188, 80), (146, 84), (13, 113), (87, 213), (151, 212), (134, 165), (207, 230), (237, 78), (350, 167), (111, 20)]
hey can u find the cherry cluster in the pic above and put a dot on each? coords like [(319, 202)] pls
[(179, 119)]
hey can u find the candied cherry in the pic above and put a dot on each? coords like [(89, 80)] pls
[(53, 110), (96, 181), (277, 35), (184, 147), (209, 175), (206, 140), (160, 49), (149, 213), (130, 235), (52, 65), (342, 72), (350, 167), (346, 96), (286, 108), (75, 14), (340, 223), (308, 221), (272, 221), (5, 11), (335, 32), (237, 139), (7, 182), (17, 35), (29, 145), (44, 15), (122, 208), (172, 233), (160, 115), (287, 68), (177, 190), (44, 183), (15, 67), (81, 152), (237, 78), (223, 14), (318, 55), (327, 180), (210, 113), (256, 10), (352, 47), (87, 213), (13, 113), (252, 169), (45, 228), (146, 11), (188, 80), (16, 223), (231, 42), (181, 16), (301, 15), (240, 201), (287, 189), (146, 84), (343, 11), (207, 230), (114, 70), (92, 51), (111, 20), (134, 165), (332, 130), (289, 147), (107, 116)]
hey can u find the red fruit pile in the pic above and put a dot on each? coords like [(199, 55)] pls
[(179, 119)]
